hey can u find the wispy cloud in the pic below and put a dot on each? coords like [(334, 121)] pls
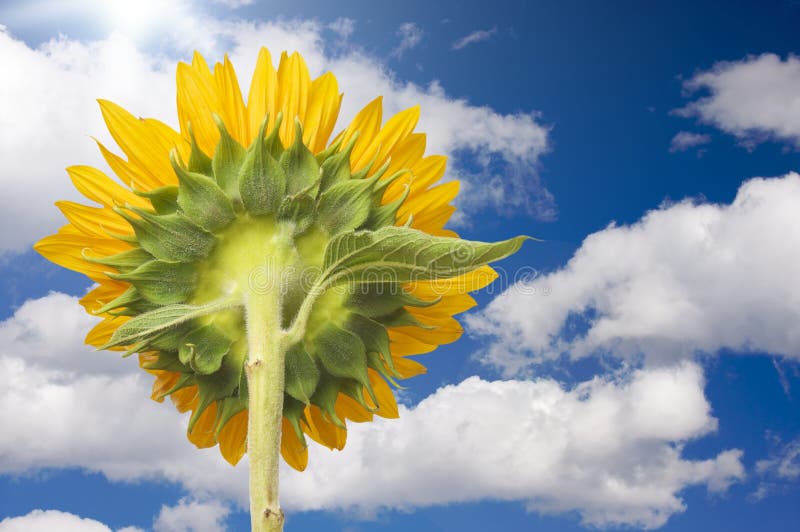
[(410, 36), (685, 140), (755, 99), (475, 36)]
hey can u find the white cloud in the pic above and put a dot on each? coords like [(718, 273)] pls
[(688, 277), (343, 27), (50, 520), (779, 470), (683, 140), (474, 37), (192, 516), (410, 36), (54, 112), (530, 441), (608, 450), (234, 4), (754, 99)]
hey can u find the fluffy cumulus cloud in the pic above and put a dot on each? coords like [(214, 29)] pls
[(192, 516), (688, 277), (754, 99), (54, 112), (50, 520), (609, 449)]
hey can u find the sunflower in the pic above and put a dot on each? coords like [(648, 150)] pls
[(197, 215)]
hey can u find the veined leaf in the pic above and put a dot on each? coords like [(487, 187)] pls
[(162, 319), (402, 254)]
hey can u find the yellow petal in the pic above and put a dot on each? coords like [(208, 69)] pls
[(98, 187), (426, 172), (197, 102), (93, 221), (204, 433), (232, 438), (231, 106), (387, 405), (165, 381), (431, 200), (366, 123), (68, 250), (323, 109), (402, 344), (349, 408), (292, 449), (407, 367), (450, 305), (143, 148), (322, 431), (396, 130), (100, 295), (468, 282), (101, 333), (263, 93), (447, 331), (294, 84), (185, 399)]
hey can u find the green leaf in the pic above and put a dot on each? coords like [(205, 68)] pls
[(203, 349), (294, 411), (169, 237), (227, 160), (345, 205), (299, 164), (162, 319), (272, 142), (201, 199), (376, 299), (402, 254), (302, 374), (341, 353), (164, 283), (262, 181)]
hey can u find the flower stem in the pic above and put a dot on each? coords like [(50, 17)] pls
[(265, 381)]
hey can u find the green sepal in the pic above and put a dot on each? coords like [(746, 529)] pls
[(294, 412), (378, 362), (262, 181), (382, 215), (128, 297), (402, 318), (299, 164), (345, 205), (272, 142), (355, 391), (169, 237), (299, 210), (227, 160), (226, 409), (341, 353), (402, 254), (329, 151), (122, 262), (167, 361), (201, 199), (204, 349), (184, 381), (199, 162), (161, 319), (373, 335), (219, 385), (325, 398), (302, 374), (161, 282), (375, 300), (163, 199), (336, 168)]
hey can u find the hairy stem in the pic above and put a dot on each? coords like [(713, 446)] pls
[(265, 381)]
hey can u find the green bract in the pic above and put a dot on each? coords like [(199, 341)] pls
[(261, 219)]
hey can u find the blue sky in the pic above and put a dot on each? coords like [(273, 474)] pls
[(643, 374)]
